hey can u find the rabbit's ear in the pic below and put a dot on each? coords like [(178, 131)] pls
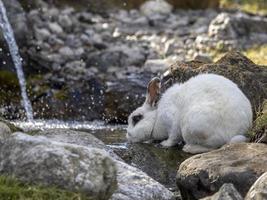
[(153, 92)]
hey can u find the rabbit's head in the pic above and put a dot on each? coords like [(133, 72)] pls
[(141, 121)]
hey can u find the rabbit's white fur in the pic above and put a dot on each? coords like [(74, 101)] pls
[(206, 112)]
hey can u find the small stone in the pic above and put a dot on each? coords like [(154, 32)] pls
[(55, 27), (4, 130), (157, 65), (202, 57), (153, 7)]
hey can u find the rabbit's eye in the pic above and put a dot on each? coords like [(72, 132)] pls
[(136, 119)]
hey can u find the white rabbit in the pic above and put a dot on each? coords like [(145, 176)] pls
[(205, 112)]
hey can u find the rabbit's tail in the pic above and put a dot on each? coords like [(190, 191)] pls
[(238, 139)]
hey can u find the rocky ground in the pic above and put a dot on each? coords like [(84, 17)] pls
[(95, 66), (60, 158), (84, 65)]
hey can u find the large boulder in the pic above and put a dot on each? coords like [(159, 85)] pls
[(240, 164), (133, 184), (251, 78), (258, 191), (76, 137), (36, 159), (159, 163)]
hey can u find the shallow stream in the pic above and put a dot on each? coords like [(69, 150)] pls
[(159, 163)]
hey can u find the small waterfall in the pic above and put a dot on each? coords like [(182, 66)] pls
[(14, 51)]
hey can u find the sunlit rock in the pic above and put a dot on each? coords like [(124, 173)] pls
[(258, 191), (36, 159), (154, 7), (240, 164)]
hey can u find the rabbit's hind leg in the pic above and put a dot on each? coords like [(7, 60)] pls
[(195, 148)]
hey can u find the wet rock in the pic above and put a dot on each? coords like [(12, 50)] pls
[(36, 159), (124, 95), (134, 184), (76, 137), (156, 7), (259, 189), (4, 130), (240, 164), (250, 78), (160, 164), (226, 192)]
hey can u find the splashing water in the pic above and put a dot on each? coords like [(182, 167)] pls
[(57, 124), (14, 51)]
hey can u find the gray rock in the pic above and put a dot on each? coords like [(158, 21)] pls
[(240, 164), (36, 159), (4, 130), (156, 7), (157, 65), (258, 191), (76, 137), (134, 184), (65, 21), (42, 34), (124, 95), (55, 27), (226, 192), (234, 26)]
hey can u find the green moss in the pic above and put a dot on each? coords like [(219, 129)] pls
[(251, 6), (11, 189), (9, 89), (260, 124), (61, 94)]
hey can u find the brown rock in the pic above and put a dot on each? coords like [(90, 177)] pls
[(240, 164)]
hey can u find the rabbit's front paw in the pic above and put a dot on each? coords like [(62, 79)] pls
[(167, 143)]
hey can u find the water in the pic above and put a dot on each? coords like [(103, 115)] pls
[(113, 136), (14, 51), (58, 124)]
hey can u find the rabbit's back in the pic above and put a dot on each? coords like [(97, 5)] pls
[(208, 107)]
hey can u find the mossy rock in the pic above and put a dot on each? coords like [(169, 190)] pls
[(13, 189), (251, 78), (259, 130)]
